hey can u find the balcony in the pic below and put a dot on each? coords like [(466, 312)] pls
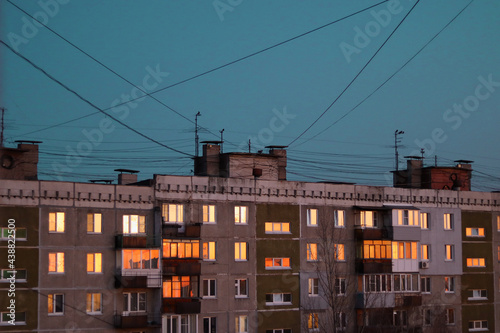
[(372, 233), (174, 230), (138, 279), (408, 300), (181, 267), (181, 305), (137, 241), (137, 320), (373, 266)]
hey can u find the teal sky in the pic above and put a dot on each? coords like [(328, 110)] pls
[(445, 99)]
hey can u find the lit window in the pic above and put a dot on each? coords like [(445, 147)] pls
[(94, 223), (241, 324), (448, 221), (55, 303), (209, 251), (478, 325), (140, 259), (279, 298), (449, 284), (377, 249), (313, 287), (240, 251), (277, 263), (56, 262), (210, 325), (338, 218), (208, 213), (209, 288), (474, 232), (404, 250), (134, 302), (173, 213), (425, 221), (368, 219), (94, 262), (313, 322), (240, 215), (426, 252), (478, 294), (312, 252), (180, 287), (450, 316), (340, 321), (449, 252), (340, 286), (339, 252), (134, 224), (20, 275), (56, 222), (312, 217), (241, 288), (498, 223), (7, 318), (17, 233), (476, 262), (181, 248), (94, 303), (425, 284), (277, 227), (408, 217)]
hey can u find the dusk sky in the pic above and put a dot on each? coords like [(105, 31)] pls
[(443, 89)]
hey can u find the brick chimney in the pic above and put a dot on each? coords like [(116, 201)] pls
[(20, 163)]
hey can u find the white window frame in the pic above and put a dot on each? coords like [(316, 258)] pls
[(127, 304), (96, 261), (241, 327), (428, 252), (477, 294), (240, 251), (57, 222), (54, 302), (94, 220), (448, 220), (476, 262), (281, 265), (211, 245), (339, 218), (425, 221), (58, 262), (474, 232), (17, 314), (425, 284), (209, 288), (279, 299), (480, 327), (93, 311), (313, 287), (449, 283), (8, 233), (312, 217), (173, 213), (312, 252), (241, 215), (450, 321), (277, 228), (451, 252), (340, 286), (128, 224), (238, 287), (7, 271), (369, 218), (339, 252), (313, 322), (211, 321), (340, 321), (209, 214)]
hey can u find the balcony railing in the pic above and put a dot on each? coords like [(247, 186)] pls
[(174, 230), (137, 241), (181, 305), (138, 279), (373, 266), (373, 233), (181, 267), (138, 320)]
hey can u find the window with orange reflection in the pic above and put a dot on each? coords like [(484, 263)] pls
[(180, 287), (277, 263), (140, 259), (377, 249)]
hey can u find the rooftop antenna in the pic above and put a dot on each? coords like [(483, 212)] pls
[(396, 141), (221, 140), (249, 146), (3, 126), (422, 152), (196, 138)]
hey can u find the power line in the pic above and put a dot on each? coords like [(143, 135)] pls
[(390, 77), (88, 102), (355, 77)]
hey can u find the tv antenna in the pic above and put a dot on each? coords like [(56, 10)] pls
[(396, 141)]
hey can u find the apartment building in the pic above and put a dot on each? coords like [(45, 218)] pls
[(238, 248)]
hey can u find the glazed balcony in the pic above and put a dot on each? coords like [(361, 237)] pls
[(137, 241)]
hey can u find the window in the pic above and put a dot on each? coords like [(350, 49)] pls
[(140, 259), (241, 288), (404, 250), (94, 262), (340, 321), (240, 215), (277, 263), (339, 252), (208, 213), (449, 284), (56, 222), (476, 262), (313, 322), (210, 325), (209, 286), (209, 251), (406, 282), (498, 223), (408, 217), (134, 302), (94, 303), (240, 251), (425, 284), (425, 220), (180, 287), (312, 217), (94, 223), (280, 330), (55, 303), (448, 221), (134, 224), (376, 283), (426, 314), (18, 233), (241, 324), (475, 294), (377, 249), (498, 255), (277, 227), (426, 252), (181, 248), (312, 252), (449, 252), (340, 286), (338, 218), (313, 287), (400, 318), (478, 325), (56, 262), (368, 219), (19, 274), (450, 316), (173, 213), (279, 298), (18, 318), (474, 232)]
